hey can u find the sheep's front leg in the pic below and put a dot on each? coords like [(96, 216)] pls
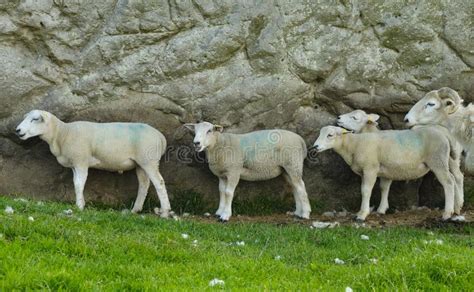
[(368, 181), (232, 181), (80, 177), (455, 168), (222, 186), (384, 189), (446, 178)]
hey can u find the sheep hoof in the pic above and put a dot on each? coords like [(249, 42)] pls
[(222, 220), (217, 216), (358, 219)]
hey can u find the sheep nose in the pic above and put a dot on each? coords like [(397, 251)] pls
[(17, 130), (406, 120), (338, 118), (196, 143)]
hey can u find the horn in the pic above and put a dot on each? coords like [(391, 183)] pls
[(446, 92)]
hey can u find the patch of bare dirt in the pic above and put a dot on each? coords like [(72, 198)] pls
[(421, 217)]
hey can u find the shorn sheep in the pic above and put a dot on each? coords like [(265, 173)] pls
[(393, 155), (359, 121), (108, 146), (259, 155), (444, 107)]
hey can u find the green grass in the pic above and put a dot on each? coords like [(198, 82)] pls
[(109, 250)]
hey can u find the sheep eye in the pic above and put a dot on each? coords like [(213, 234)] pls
[(34, 120), (209, 131), (430, 104), (354, 118), (330, 135)]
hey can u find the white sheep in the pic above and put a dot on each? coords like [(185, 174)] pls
[(259, 155), (359, 121), (444, 107), (108, 146), (394, 155)]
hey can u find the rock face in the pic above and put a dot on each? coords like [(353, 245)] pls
[(246, 65)]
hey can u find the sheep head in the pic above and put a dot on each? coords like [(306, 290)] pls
[(205, 134), (434, 107), (329, 138), (357, 120), (35, 123)]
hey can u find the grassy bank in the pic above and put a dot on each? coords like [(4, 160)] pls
[(109, 249)]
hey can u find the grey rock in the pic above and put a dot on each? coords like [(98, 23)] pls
[(246, 65)]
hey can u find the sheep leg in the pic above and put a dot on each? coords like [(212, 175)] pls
[(298, 208), (454, 166), (303, 207), (232, 181), (384, 189), (159, 183), (222, 186), (80, 177), (447, 180), (143, 185), (368, 182)]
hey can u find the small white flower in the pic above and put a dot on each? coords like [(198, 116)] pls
[(216, 282), (430, 233), (278, 258), (207, 214), (195, 242), (9, 210), (364, 237), (31, 219), (348, 289), (40, 203), (67, 212), (185, 236), (373, 260), (339, 261), (20, 200), (240, 243), (438, 241)]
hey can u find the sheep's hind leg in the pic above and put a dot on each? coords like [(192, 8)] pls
[(143, 185), (80, 177), (159, 183), (368, 181), (384, 190), (222, 186), (303, 207), (232, 181)]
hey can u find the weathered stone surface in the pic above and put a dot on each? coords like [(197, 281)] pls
[(246, 65)]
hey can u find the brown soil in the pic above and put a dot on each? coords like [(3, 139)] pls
[(424, 217)]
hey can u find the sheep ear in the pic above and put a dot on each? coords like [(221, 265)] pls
[(218, 128), (373, 118), (190, 126), (345, 131)]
